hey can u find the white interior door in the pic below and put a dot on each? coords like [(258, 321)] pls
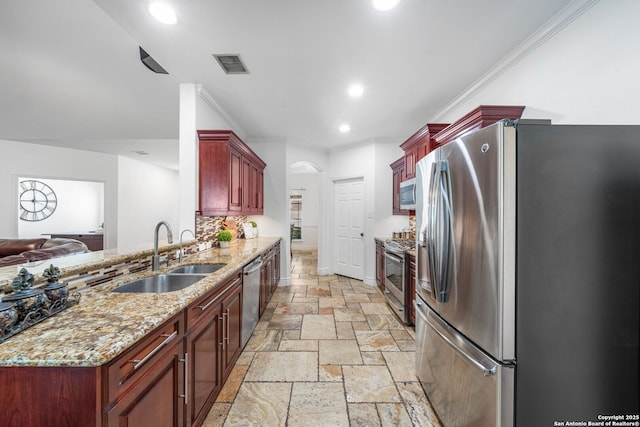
[(349, 228)]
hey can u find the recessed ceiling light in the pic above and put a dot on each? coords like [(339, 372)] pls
[(355, 90), (163, 12), (344, 128), (384, 5)]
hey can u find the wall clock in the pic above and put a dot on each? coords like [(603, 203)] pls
[(37, 200)]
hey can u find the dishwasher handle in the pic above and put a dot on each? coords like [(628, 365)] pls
[(252, 267)]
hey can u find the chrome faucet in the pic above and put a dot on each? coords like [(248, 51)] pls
[(155, 260), (181, 234)]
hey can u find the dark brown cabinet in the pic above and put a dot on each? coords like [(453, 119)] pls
[(145, 384), (269, 275), (157, 399), (230, 175), (94, 241), (380, 264), (398, 170), (478, 118), (418, 146), (212, 345), (232, 326)]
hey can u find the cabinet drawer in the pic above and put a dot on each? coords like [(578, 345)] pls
[(130, 366), (203, 305)]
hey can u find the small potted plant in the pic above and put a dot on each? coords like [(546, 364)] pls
[(255, 228), (224, 237)]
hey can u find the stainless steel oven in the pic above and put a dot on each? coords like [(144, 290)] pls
[(394, 281)]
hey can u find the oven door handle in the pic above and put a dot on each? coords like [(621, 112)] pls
[(394, 257)]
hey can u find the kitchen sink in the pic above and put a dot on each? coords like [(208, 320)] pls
[(159, 284), (197, 268)]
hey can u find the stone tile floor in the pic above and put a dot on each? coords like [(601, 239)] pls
[(327, 352)]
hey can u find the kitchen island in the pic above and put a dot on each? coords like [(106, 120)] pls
[(84, 363)]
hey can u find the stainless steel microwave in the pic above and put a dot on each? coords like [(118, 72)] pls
[(408, 194)]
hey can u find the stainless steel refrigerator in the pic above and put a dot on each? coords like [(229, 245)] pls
[(528, 275)]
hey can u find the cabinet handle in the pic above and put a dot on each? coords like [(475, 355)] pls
[(207, 305), (140, 362), (228, 322), (185, 396)]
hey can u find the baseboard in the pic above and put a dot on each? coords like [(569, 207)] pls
[(323, 271)]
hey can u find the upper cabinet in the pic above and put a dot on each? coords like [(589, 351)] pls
[(417, 146), (434, 135), (231, 175), (482, 116), (399, 175)]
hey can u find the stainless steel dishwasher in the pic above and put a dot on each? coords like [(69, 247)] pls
[(250, 298)]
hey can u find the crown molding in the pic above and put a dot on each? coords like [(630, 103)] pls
[(208, 99), (552, 27)]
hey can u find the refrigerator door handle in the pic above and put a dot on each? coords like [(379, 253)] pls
[(446, 256), (488, 369), (430, 230)]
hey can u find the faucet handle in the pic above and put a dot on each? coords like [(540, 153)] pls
[(165, 260)]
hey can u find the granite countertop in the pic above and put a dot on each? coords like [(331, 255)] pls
[(105, 323)]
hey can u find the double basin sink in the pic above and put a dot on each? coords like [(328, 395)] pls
[(175, 280)]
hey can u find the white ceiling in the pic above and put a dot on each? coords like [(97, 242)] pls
[(70, 73)]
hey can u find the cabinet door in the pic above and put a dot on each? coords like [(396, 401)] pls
[(232, 314), (264, 284), (398, 174), (235, 180), (248, 184), (410, 163), (156, 400), (259, 191), (203, 348)]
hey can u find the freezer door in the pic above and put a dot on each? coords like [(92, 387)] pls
[(466, 387), (425, 286), (474, 237)]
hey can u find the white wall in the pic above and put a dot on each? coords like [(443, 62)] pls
[(136, 194), (198, 111), (310, 182), (21, 159), (320, 159), (147, 194), (353, 162), (79, 208), (585, 74), (274, 222), (385, 221)]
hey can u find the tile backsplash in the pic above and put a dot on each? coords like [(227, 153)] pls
[(207, 227)]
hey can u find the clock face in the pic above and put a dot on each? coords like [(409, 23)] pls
[(37, 200)]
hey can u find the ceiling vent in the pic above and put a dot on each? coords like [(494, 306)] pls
[(231, 64), (151, 63)]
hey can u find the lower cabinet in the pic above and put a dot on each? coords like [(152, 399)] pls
[(212, 346), (203, 360), (171, 377), (144, 385), (232, 327), (269, 275), (157, 399)]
